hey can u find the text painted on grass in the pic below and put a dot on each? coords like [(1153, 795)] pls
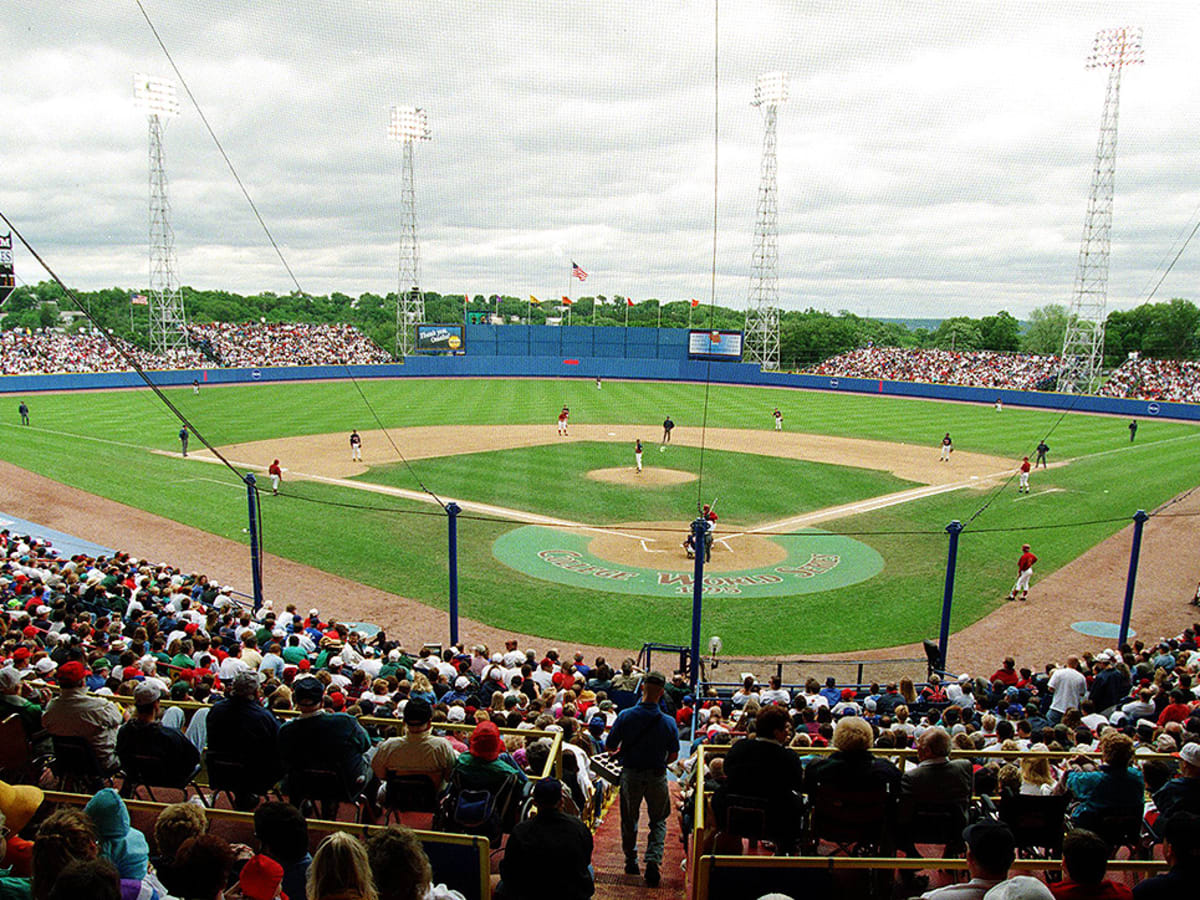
[(573, 561)]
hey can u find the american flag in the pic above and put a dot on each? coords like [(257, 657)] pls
[(577, 272), (139, 300)]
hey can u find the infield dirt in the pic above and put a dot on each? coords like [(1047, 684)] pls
[(328, 455)]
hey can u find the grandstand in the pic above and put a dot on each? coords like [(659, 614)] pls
[(110, 629)]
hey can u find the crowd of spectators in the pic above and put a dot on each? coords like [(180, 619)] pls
[(972, 368), (1143, 378), (294, 685), (50, 352), (54, 352), (237, 345)]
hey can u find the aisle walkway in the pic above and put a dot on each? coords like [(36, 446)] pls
[(608, 860)]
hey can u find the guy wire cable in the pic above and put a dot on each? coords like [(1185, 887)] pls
[(712, 291), (270, 237)]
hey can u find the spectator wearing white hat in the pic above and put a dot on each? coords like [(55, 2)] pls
[(1182, 793)]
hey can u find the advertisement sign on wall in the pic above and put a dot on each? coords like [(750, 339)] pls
[(440, 339), (722, 345)]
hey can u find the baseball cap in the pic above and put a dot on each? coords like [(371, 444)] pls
[(547, 792), (71, 673), (1019, 887), (308, 690), (146, 693), (1190, 754), (989, 840), (10, 679), (462, 681)]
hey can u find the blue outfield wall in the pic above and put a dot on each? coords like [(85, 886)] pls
[(644, 354)]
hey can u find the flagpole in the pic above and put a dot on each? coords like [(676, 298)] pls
[(593, 310), (660, 314), (626, 312)]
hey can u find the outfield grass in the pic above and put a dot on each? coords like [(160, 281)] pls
[(99, 441)]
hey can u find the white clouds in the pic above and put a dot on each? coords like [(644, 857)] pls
[(935, 156)]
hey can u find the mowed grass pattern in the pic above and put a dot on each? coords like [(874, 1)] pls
[(98, 441)]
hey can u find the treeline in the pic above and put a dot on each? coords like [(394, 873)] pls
[(1168, 330)]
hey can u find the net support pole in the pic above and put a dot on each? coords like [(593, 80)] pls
[(452, 511), (699, 530), (1135, 551), (954, 529), (255, 550)]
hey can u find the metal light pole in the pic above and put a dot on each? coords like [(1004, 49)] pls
[(168, 324), (762, 313), (408, 124), (1083, 343)]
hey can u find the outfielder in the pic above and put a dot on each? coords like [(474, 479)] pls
[(1023, 478), (947, 447), (667, 426), (637, 454), (355, 446), (562, 422), (1024, 571)]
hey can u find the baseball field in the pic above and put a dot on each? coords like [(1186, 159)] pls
[(831, 535)]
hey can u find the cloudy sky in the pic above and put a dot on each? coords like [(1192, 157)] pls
[(935, 157)]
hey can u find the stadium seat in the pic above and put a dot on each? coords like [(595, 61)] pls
[(1038, 823), (856, 821)]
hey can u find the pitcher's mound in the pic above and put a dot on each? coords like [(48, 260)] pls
[(650, 475)]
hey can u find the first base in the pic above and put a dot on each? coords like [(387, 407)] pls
[(662, 449)]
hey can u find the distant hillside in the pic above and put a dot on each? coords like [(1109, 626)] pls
[(913, 324)]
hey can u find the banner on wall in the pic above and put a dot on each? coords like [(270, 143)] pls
[(717, 345), (440, 339)]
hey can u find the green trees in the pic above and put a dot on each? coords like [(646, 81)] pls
[(1168, 330)]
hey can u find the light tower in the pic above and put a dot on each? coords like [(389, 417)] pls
[(1083, 343), (761, 342), (408, 125), (168, 325)]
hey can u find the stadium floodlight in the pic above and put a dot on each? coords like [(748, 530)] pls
[(770, 89), (1083, 342), (167, 322), (155, 95), (406, 126), (761, 341)]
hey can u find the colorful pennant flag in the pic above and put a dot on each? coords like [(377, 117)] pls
[(567, 301), (629, 301), (695, 303)]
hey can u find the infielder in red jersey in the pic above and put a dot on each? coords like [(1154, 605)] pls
[(1023, 479), (276, 473), (562, 421), (1024, 571)]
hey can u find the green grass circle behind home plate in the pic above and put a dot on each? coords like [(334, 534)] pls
[(816, 561)]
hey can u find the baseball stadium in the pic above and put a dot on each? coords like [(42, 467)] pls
[(516, 530)]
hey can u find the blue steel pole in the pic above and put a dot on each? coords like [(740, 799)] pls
[(1139, 521), (699, 530), (255, 550), (452, 511), (954, 529)]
